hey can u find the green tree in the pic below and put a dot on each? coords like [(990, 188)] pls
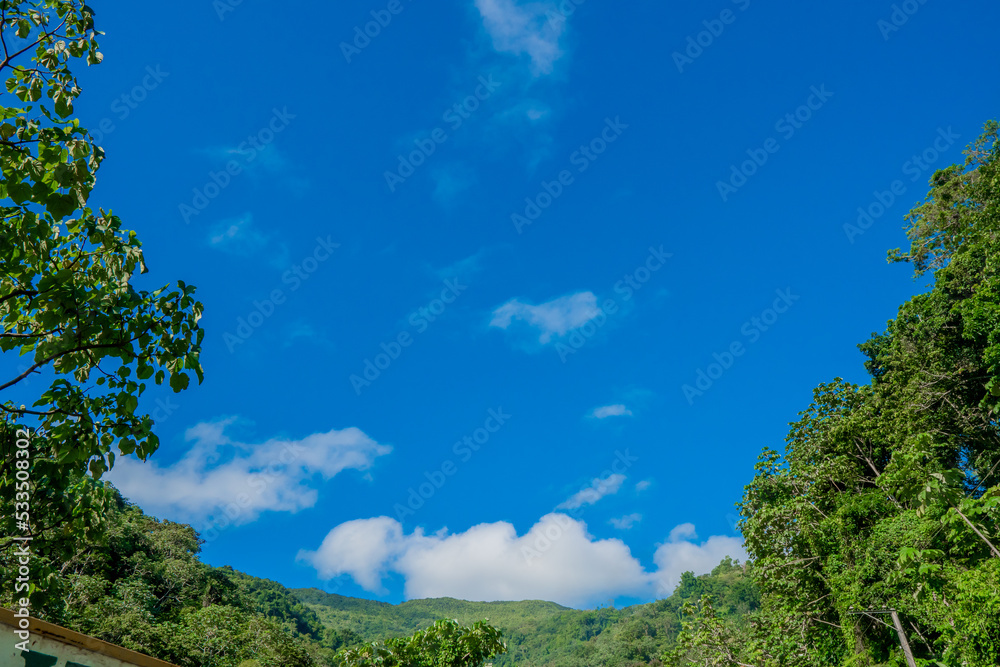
[(68, 308), (706, 640), (887, 493), (66, 298), (444, 644)]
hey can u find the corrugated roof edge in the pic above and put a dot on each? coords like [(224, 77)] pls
[(72, 638)]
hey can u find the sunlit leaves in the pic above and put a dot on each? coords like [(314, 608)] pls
[(66, 299), (445, 644), (887, 494)]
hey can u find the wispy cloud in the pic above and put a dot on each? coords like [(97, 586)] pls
[(643, 485), (267, 163), (278, 475), (552, 318), (598, 489), (626, 522), (462, 268), (531, 109), (525, 29), (606, 411), (451, 182), (237, 236)]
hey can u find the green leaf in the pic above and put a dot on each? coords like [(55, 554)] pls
[(60, 206), (179, 381)]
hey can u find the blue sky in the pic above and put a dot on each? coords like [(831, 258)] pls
[(458, 274)]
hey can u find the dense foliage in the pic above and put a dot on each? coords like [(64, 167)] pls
[(86, 340), (444, 644), (140, 585), (66, 298), (887, 494)]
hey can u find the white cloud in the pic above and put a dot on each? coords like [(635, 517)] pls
[(552, 318), (524, 28), (685, 531), (681, 554), (598, 489), (643, 485), (557, 560), (218, 474), (363, 549), (611, 411), (626, 522)]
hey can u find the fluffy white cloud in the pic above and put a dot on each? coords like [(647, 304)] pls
[(218, 474), (552, 318), (681, 554), (598, 488), (626, 522), (606, 411), (557, 560), (525, 28), (362, 549)]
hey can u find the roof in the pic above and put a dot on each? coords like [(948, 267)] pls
[(65, 636)]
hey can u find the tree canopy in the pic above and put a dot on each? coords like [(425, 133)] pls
[(84, 340), (887, 494), (66, 270)]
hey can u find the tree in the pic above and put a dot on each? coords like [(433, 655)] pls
[(887, 493), (706, 640), (67, 303), (66, 297), (68, 309), (444, 644)]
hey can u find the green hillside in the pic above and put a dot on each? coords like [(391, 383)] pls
[(374, 620), (544, 633)]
